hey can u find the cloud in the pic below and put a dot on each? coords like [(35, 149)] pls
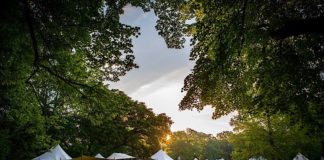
[(159, 79), (133, 15), (163, 96), (162, 83), (155, 60)]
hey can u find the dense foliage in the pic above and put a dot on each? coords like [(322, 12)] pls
[(272, 137), (262, 59), (55, 58), (191, 144), (253, 57)]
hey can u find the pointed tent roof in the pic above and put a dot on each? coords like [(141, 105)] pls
[(299, 156), (59, 153), (56, 153), (45, 156), (120, 156), (257, 158), (99, 156), (161, 155)]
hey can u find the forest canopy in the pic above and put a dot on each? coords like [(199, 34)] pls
[(57, 58), (256, 58), (262, 59)]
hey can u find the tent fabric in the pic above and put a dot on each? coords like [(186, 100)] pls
[(299, 156), (45, 156), (120, 156), (85, 158), (59, 153), (161, 155), (257, 158), (99, 156), (56, 153)]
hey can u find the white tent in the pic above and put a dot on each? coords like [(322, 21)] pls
[(299, 156), (56, 153), (220, 159), (99, 156), (45, 156), (257, 158), (161, 155), (120, 156), (59, 153)]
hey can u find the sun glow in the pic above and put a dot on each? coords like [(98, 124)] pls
[(168, 137)]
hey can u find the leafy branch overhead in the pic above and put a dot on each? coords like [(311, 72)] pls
[(261, 59), (57, 59), (252, 57), (247, 51), (91, 31)]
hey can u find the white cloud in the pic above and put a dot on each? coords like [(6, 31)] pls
[(133, 15), (163, 96), (159, 79)]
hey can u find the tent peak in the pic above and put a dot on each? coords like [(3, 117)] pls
[(120, 156), (98, 155), (161, 155)]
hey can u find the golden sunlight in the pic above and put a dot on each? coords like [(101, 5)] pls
[(168, 137)]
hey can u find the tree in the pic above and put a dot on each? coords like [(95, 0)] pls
[(144, 130), (22, 128), (217, 149), (251, 56), (273, 137), (131, 128), (190, 144), (187, 144), (56, 57)]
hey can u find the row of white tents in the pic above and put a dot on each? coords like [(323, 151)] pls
[(57, 153)]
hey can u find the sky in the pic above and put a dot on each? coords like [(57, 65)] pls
[(159, 79)]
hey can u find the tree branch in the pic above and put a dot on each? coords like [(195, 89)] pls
[(33, 39), (49, 70), (66, 80), (31, 31), (37, 56), (243, 10), (32, 74), (35, 92)]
